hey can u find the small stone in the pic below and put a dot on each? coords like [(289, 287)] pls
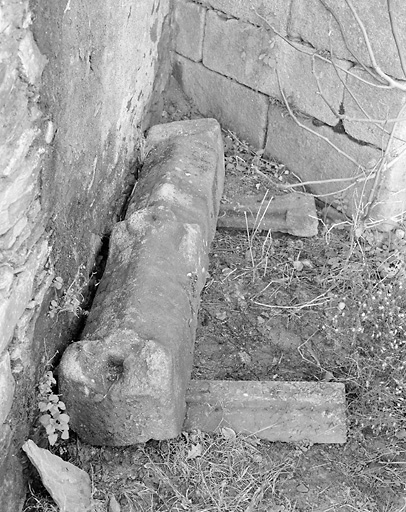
[(302, 488), (114, 505), (401, 434), (221, 315), (68, 485)]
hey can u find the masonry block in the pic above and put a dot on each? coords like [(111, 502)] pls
[(7, 386), (189, 22), (277, 411), (274, 12), (236, 107), (125, 382), (253, 56), (311, 156), (311, 22), (362, 99)]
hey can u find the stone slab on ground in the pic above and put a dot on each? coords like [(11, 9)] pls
[(277, 411), (291, 213), (125, 381), (236, 107), (69, 486)]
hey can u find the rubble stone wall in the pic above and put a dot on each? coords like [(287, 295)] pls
[(76, 81), (241, 62)]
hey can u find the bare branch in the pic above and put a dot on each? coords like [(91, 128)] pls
[(311, 52), (394, 84), (396, 36)]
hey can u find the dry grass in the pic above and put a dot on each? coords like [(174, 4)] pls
[(207, 473)]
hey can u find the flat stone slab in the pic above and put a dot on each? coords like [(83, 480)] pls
[(69, 486), (125, 381), (291, 213), (277, 411)]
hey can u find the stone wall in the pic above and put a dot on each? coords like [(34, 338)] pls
[(243, 61), (79, 83)]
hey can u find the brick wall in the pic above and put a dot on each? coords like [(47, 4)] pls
[(232, 59), (76, 82)]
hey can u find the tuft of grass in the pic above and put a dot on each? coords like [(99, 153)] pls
[(211, 472)]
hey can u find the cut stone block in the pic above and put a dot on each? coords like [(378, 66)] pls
[(361, 99), (251, 55), (275, 12), (312, 157), (235, 106), (311, 22), (292, 213), (125, 381), (189, 22), (277, 411)]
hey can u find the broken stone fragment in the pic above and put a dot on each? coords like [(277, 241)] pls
[(291, 213), (125, 381), (68, 485), (277, 411)]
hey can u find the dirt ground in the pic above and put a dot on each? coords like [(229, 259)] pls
[(277, 307)]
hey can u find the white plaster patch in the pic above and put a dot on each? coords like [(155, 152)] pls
[(168, 192), (7, 386), (32, 60), (191, 244)]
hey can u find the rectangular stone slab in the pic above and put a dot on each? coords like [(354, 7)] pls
[(273, 410), (291, 213), (125, 381)]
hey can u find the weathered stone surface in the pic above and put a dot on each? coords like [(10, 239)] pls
[(189, 29), (13, 305), (236, 107), (310, 156), (292, 213), (391, 201), (311, 22), (125, 382), (69, 486), (12, 495), (277, 411), (251, 55), (374, 102), (7, 386), (275, 12), (32, 61)]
